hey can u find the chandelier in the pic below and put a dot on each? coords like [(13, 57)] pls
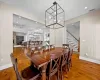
[(54, 17)]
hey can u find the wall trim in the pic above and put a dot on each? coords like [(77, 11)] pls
[(89, 59), (5, 66)]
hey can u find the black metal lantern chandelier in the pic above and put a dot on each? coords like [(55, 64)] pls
[(54, 17)]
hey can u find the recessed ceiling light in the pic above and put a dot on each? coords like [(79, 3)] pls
[(85, 7)]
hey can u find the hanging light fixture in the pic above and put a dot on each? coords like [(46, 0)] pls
[(54, 17)]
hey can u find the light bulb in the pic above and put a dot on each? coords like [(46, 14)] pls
[(85, 7)]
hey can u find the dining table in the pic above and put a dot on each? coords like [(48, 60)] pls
[(41, 60)]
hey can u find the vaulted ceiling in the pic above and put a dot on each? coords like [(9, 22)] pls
[(73, 8)]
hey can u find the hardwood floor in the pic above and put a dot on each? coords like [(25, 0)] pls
[(80, 70), (83, 70)]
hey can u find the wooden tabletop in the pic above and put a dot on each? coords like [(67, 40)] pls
[(43, 58), (40, 60)]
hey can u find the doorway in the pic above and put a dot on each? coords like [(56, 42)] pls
[(73, 36)]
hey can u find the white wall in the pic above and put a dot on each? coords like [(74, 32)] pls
[(58, 36), (6, 37), (89, 34), (97, 40), (6, 30)]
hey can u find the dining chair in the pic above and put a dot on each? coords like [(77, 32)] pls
[(24, 44), (53, 68), (30, 51), (69, 61), (52, 47), (63, 63), (45, 48), (29, 73), (40, 49), (65, 45)]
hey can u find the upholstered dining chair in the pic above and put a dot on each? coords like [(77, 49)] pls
[(53, 68), (30, 73)]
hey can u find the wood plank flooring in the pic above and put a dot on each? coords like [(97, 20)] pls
[(80, 70)]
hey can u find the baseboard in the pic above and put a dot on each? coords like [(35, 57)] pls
[(90, 60), (5, 66)]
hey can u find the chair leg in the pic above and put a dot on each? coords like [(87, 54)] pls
[(58, 75), (62, 75), (48, 77), (68, 66)]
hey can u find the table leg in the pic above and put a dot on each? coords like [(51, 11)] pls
[(44, 72)]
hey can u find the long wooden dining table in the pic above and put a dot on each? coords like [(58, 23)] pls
[(41, 60)]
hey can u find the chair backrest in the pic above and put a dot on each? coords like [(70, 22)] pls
[(52, 47), (31, 51), (14, 62), (54, 65), (64, 57), (39, 48), (65, 45), (25, 44), (70, 54), (45, 48)]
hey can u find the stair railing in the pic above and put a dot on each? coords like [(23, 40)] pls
[(72, 35)]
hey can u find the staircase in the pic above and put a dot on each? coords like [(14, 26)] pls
[(72, 41)]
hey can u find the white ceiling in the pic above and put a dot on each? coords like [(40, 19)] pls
[(22, 22), (73, 8), (28, 25)]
